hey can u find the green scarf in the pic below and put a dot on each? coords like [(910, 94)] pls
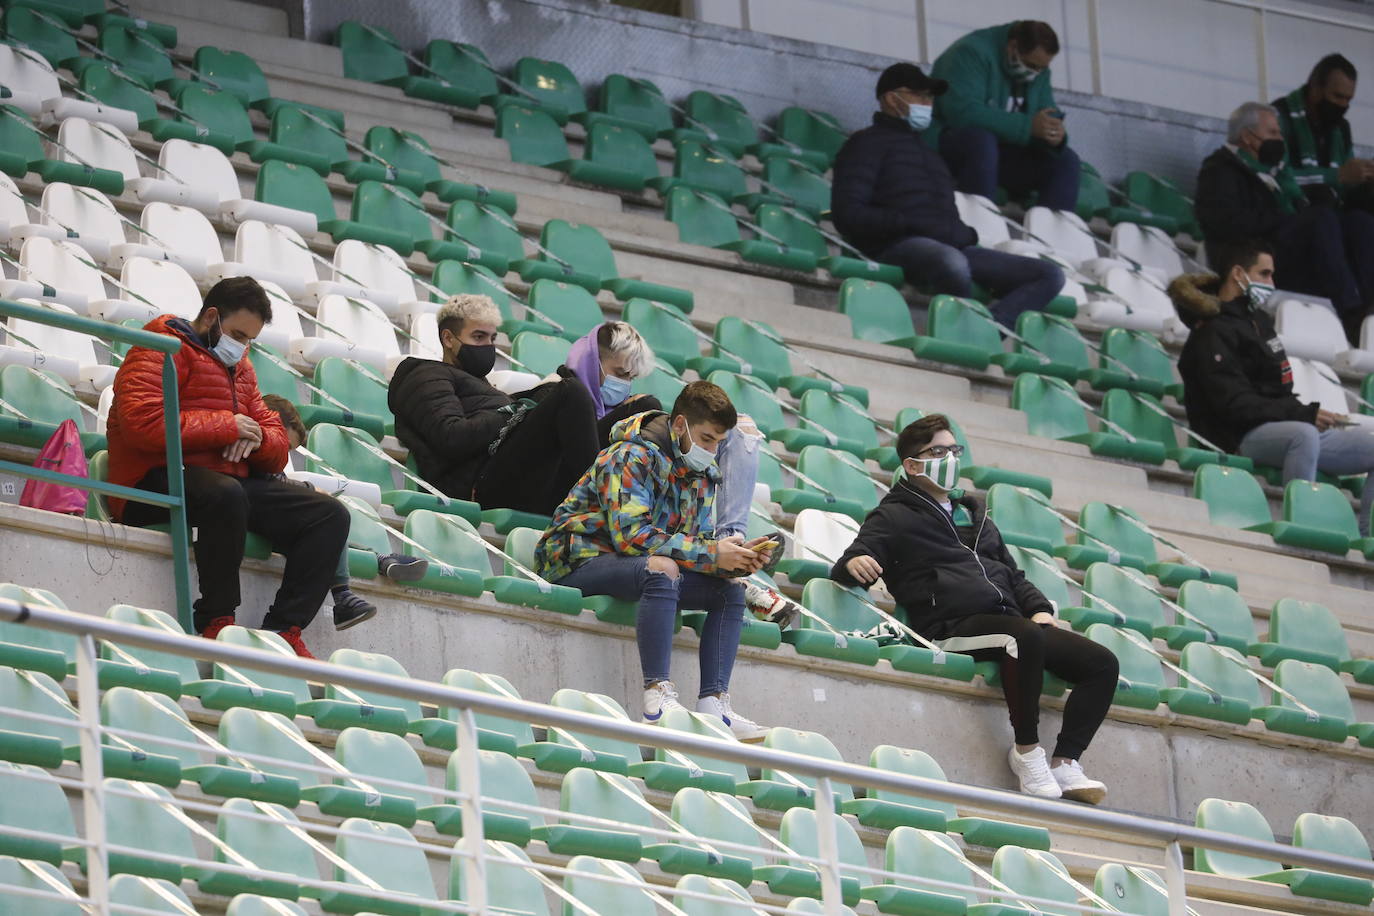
[(1289, 194), (1302, 151)]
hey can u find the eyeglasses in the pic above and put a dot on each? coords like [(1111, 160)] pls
[(940, 451)]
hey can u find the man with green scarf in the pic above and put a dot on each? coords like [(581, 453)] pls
[(1320, 150), (1245, 190)]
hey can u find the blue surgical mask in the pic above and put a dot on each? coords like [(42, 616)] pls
[(228, 350), (918, 116), (614, 390), (696, 457)]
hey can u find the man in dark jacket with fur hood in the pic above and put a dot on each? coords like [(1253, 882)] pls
[(945, 563), (893, 199), (472, 440), (1238, 383)]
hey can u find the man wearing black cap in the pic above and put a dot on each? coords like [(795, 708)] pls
[(893, 198)]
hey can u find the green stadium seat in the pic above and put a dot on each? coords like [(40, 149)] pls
[(877, 312), (1224, 615), (769, 359), (814, 907), (734, 903), (701, 219), (794, 235), (1025, 519), (1133, 602), (1133, 889), (1034, 564), (816, 132), (149, 62), (720, 115), (1035, 873), (698, 168), (42, 877), (36, 648), (1134, 412), (844, 612), (274, 377), (669, 332), (506, 736), (960, 332), (1141, 678), (833, 420), (1309, 632), (1059, 349), (777, 790), (289, 185), (470, 76), (611, 797), (1329, 713), (403, 711), (345, 450), (151, 817), (45, 401), (1157, 197), (918, 856), (573, 308), (1134, 360), (39, 742), (458, 564), (611, 755), (407, 153), (235, 72), (24, 27), (148, 894), (137, 720), (751, 397), (1224, 690), (531, 134), (798, 832), (99, 81), (1328, 833), (31, 799), (1233, 496), (1240, 819), (599, 896), (1114, 528), (551, 86), (349, 383), (716, 816), (716, 775), (847, 611), (503, 779), (634, 103), (982, 476), (539, 353), (786, 181), (847, 488), (390, 857), (1317, 516), (217, 119), (587, 260), (372, 54), (614, 156), (370, 754), (294, 136), (493, 234), (663, 383), (513, 885), (255, 905), (266, 835)]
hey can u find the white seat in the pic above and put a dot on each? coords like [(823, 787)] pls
[(192, 175), (266, 251), (355, 320), (177, 233), (166, 286), (102, 409), (424, 331), (822, 536), (337, 487), (13, 210), (29, 78), (1314, 382), (1309, 330), (1065, 234), (1151, 246), (84, 211), (983, 216), (96, 144), (1362, 359), (70, 355), (285, 326), (1139, 303), (56, 270), (512, 380), (380, 271)]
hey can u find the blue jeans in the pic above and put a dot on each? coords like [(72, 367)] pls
[(659, 600), (980, 162), (738, 459), (1301, 451), (1021, 284)]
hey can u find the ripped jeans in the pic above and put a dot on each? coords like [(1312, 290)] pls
[(659, 598)]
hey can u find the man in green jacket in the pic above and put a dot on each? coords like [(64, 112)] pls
[(998, 123), (1317, 135)]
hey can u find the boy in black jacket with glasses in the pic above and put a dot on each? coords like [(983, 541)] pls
[(961, 588)]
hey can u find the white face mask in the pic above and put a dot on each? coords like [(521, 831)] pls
[(943, 472), (695, 457), (228, 350)]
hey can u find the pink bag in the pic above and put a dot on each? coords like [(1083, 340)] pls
[(62, 453)]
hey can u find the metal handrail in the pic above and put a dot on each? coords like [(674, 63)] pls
[(174, 500), (1159, 832)]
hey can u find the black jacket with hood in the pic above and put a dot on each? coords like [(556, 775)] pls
[(1235, 372), (1233, 203), (447, 418), (889, 185), (940, 572)]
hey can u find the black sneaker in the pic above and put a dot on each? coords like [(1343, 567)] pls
[(351, 610), (401, 568)]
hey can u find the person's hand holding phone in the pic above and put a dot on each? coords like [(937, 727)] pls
[(733, 555)]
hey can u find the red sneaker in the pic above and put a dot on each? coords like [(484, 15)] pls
[(212, 629), (292, 635)]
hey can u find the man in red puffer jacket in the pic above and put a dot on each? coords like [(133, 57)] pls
[(231, 442)]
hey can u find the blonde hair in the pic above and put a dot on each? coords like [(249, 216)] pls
[(620, 337), (465, 307)]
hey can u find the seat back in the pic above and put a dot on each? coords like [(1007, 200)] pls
[(376, 267), (263, 641), (569, 305), (637, 100), (184, 666), (553, 84), (1131, 410), (1053, 336), (387, 853), (840, 607), (351, 384), (1308, 625), (663, 383), (503, 779), (36, 637), (738, 339), (919, 856), (1036, 874), (607, 795), (1110, 525), (487, 683), (388, 144), (165, 284), (531, 134), (582, 246), (823, 536), (599, 896), (462, 65), (684, 720), (1052, 409), (1224, 670), (298, 187), (1315, 686), (1233, 496), (1132, 889), (83, 210), (811, 130), (359, 321), (812, 744), (454, 277), (273, 248), (840, 474), (232, 71), (595, 704), (1319, 505), (340, 450), (145, 59), (148, 895), (381, 664), (1139, 667), (39, 877), (150, 813), (1310, 330), (1141, 351), (512, 883), (1063, 231), (294, 129), (43, 398), (393, 207), (842, 418), (185, 229), (221, 112), (264, 834), (539, 353), (697, 167), (370, 754), (31, 799), (798, 184), (96, 144), (908, 762), (666, 330), (732, 900), (1221, 608), (1238, 818), (100, 83), (984, 216), (34, 692), (202, 165), (800, 833), (724, 115), (370, 53), (1034, 564), (1329, 833), (486, 231), (1024, 518), (698, 221), (449, 539), (876, 311), (1152, 193), (789, 229), (61, 264), (26, 29), (1149, 245), (621, 148), (272, 735), (140, 718), (963, 321), (1316, 382), (1141, 291)]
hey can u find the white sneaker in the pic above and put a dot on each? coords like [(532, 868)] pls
[(769, 605), (1033, 770), (1076, 785), (744, 729), (658, 698)]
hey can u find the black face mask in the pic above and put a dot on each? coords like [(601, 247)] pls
[(476, 360), (1330, 112), (1270, 152)]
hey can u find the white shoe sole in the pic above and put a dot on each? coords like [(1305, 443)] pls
[(749, 735), (1089, 795)]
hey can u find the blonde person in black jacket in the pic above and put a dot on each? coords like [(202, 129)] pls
[(960, 587)]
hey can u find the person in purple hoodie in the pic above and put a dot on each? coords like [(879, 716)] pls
[(607, 360)]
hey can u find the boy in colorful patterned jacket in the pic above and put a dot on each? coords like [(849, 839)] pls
[(639, 526)]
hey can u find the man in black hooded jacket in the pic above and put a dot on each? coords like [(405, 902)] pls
[(961, 588), (472, 440)]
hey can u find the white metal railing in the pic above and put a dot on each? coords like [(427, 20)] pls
[(477, 856)]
